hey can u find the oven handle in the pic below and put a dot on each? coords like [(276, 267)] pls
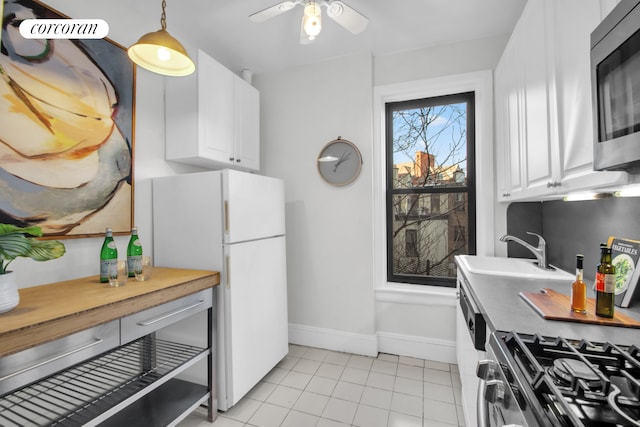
[(481, 407)]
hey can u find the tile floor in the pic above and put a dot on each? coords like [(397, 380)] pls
[(321, 388)]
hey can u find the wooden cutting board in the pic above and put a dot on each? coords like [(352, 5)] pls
[(556, 306)]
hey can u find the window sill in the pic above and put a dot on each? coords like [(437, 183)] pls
[(401, 293)]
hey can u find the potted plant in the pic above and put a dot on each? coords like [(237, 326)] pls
[(21, 242)]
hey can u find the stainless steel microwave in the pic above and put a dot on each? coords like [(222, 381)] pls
[(615, 81)]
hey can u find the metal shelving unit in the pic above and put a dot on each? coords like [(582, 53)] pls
[(132, 384)]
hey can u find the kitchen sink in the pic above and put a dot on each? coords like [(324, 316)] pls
[(510, 267)]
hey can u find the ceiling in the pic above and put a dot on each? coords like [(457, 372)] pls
[(222, 27)]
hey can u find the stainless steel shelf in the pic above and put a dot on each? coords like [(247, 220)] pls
[(89, 393)]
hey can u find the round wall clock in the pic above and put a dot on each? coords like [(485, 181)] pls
[(339, 162)]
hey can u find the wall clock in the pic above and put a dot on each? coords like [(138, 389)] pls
[(339, 162)]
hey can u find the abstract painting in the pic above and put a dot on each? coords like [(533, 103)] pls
[(66, 130)]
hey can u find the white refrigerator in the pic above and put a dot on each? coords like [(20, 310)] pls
[(231, 222)]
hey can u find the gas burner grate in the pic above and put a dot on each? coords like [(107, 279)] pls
[(83, 392), (608, 385)]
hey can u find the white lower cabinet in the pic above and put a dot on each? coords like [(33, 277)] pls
[(212, 118), (544, 131)]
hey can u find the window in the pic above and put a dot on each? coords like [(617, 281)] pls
[(430, 187), (411, 241)]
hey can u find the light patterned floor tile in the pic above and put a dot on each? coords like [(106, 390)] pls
[(376, 397), (340, 410), (296, 380), (322, 385), (313, 387), (354, 375), (268, 415), (405, 404), (284, 396), (299, 419), (348, 391), (329, 370), (384, 367), (368, 416), (440, 411), (311, 403)]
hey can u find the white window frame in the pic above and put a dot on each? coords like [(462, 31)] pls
[(480, 82)]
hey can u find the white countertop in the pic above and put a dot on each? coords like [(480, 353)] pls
[(499, 301)]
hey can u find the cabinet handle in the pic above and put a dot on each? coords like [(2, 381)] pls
[(95, 342), (231, 159), (167, 315), (238, 160)]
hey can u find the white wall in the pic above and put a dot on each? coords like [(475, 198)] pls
[(331, 270), (329, 229)]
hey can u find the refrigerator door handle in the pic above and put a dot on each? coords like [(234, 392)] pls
[(226, 217), (226, 259)]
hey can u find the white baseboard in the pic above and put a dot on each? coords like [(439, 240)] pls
[(371, 345), (331, 339), (416, 346)]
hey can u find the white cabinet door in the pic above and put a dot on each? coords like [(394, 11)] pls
[(508, 95), (538, 145), (215, 110), (573, 23), (247, 124), (212, 118), (255, 300)]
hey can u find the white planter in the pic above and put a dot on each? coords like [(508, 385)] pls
[(9, 296)]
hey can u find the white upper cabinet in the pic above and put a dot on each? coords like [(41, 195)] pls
[(543, 102), (212, 118), (573, 23)]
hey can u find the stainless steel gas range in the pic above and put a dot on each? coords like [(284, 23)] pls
[(531, 380), (546, 373)]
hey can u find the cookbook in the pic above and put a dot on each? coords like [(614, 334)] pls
[(625, 256)]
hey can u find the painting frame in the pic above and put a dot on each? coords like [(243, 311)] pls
[(68, 114)]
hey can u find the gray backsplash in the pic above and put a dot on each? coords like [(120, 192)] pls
[(574, 227)]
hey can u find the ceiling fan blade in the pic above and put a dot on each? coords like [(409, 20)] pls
[(272, 11), (346, 16)]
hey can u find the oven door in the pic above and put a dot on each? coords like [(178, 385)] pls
[(497, 405)]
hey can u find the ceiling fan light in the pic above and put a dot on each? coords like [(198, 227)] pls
[(312, 20), (312, 9), (312, 26)]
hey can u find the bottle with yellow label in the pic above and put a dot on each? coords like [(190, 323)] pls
[(605, 283)]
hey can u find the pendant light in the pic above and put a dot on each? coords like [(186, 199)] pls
[(161, 53)]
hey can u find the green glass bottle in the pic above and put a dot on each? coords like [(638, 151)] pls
[(134, 251), (605, 283), (108, 255)]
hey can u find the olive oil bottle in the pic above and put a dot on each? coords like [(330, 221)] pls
[(579, 288), (605, 283)]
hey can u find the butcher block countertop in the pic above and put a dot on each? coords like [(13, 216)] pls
[(52, 311)]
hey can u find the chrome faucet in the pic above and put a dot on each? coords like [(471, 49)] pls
[(540, 252)]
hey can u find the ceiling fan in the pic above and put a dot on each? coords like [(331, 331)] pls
[(344, 15)]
